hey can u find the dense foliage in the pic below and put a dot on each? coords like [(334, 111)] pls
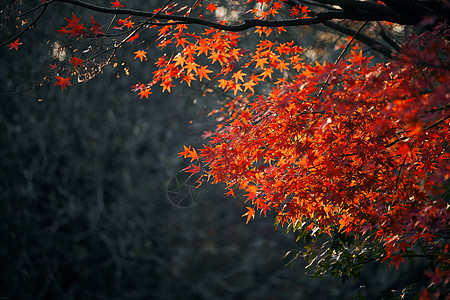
[(356, 150)]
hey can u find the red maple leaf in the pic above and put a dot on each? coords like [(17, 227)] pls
[(211, 7), (63, 31), (63, 82), (134, 37), (76, 28), (76, 61), (193, 169), (137, 87), (117, 4), (15, 45), (96, 27), (72, 22)]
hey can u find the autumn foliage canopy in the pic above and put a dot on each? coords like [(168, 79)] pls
[(354, 147)]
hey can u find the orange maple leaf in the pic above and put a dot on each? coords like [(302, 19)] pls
[(15, 45), (238, 76), (167, 84), (188, 78), (282, 65), (191, 66), (203, 72), (140, 54), (230, 192), (193, 155), (211, 7), (202, 47), (250, 214), (179, 60), (164, 30), (235, 53), (249, 85), (215, 56), (129, 23), (304, 9), (186, 151), (254, 78), (63, 82), (267, 72), (261, 62), (144, 93), (181, 42), (344, 221), (236, 88)]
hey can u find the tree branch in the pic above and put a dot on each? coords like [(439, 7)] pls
[(371, 42), (387, 38), (412, 7), (26, 28), (435, 124), (340, 56), (366, 6), (438, 108), (379, 13)]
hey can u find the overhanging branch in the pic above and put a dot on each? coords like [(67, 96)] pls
[(378, 14)]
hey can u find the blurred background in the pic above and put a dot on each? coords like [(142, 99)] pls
[(92, 204)]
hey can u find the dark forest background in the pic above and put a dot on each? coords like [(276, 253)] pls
[(88, 200)]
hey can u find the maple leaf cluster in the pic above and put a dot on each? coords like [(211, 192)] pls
[(353, 147), (74, 28), (195, 54)]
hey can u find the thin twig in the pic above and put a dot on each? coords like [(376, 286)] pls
[(340, 57), (387, 38), (26, 28), (437, 123)]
